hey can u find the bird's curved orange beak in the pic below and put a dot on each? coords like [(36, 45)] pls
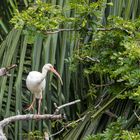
[(54, 71)]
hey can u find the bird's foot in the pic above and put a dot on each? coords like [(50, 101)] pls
[(37, 116), (38, 113), (29, 108)]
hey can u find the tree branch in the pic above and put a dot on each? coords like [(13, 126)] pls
[(54, 31), (54, 116), (64, 105), (5, 71), (68, 125), (8, 120)]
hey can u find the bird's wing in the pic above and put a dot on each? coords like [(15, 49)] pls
[(34, 81), (35, 76)]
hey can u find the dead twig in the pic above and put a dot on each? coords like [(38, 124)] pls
[(57, 108), (5, 70), (66, 126)]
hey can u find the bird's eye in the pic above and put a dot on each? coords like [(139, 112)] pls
[(51, 67)]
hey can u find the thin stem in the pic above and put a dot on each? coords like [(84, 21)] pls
[(54, 31)]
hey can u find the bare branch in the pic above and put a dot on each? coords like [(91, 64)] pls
[(68, 125), (59, 30), (2, 71), (5, 70), (8, 120), (46, 135), (104, 85), (64, 105), (109, 113), (74, 122), (115, 28), (54, 116), (88, 59), (57, 132), (53, 31)]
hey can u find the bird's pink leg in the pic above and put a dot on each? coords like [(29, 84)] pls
[(32, 104), (39, 104)]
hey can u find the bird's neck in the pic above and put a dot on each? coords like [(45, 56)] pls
[(44, 73)]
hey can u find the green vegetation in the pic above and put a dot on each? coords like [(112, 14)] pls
[(39, 17), (115, 131), (94, 46)]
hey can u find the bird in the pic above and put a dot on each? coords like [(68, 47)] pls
[(36, 83)]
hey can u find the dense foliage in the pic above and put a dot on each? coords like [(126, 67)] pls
[(115, 131), (116, 53), (39, 17), (43, 17)]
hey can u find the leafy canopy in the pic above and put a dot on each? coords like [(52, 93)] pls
[(43, 16)]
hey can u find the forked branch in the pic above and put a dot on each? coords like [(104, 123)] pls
[(54, 116)]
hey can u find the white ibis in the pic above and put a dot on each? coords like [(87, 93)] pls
[(36, 83)]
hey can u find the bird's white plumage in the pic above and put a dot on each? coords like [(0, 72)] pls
[(34, 83)]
